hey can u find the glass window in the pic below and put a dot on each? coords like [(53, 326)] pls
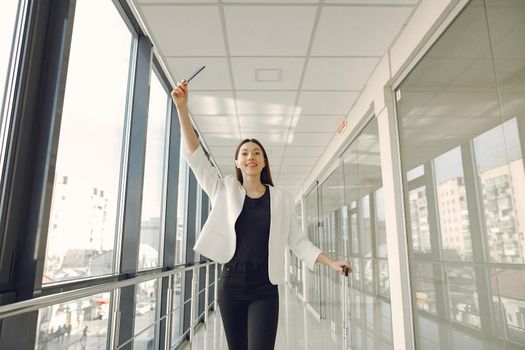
[(424, 283), (454, 223), (381, 247), (419, 227), (354, 232), (181, 211), (366, 225), (77, 324), (83, 218), (8, 61), (368, 253), (501, 185), (152, 228), (463, 296), (146, 295), (177, 308), (461, 120), (8, 17), (384, 281)]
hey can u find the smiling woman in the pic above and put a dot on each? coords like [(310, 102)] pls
[(248, 229), (251, 159)]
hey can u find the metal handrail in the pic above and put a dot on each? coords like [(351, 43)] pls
[(25, 306)]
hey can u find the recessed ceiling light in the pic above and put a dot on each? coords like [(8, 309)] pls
[(268, 75)]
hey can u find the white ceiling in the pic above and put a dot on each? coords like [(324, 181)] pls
[(326, 51)]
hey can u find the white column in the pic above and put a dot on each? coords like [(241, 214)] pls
[(400, 296)]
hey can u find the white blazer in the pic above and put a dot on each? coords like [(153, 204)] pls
[(217, 239)]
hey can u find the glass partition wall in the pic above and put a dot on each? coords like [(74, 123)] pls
[(345, 217), (461, 115)]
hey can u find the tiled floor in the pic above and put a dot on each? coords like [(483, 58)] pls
[(298, 329)]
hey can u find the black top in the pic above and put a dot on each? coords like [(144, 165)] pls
[(252, 229)]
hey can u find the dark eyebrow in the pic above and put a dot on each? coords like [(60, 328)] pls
[(255, 149)]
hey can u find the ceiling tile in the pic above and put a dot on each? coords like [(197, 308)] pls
[(216, 123), (266, 102), (309, 161), (292, 176), (211, 102), (172, 1), (214, 77), (294, 151), (266, 123), (284, 182), (244, 73), (326, 102), (218, 151), (374, 2), (326, 123), (267, 139), (295, 169), (230, 139), (271, 1), (267, 30), (309, 139), (338, 73), (203, 22), (340, 30)]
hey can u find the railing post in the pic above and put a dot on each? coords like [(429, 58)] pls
[(192, 301), (169, 314), (206, 296), (115, 320), (216, 277)]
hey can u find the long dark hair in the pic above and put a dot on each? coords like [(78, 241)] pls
[(266, 174)]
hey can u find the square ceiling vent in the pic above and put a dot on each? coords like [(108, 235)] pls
[(268, 75)]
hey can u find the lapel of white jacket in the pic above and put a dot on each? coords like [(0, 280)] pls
[(274, 216)]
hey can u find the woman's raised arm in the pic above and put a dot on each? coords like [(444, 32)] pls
[(180, 98)]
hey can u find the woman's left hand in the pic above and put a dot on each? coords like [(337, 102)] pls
[(339, 265)]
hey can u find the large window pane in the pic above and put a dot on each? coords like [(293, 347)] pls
[(82, 223), (502, 190), (181, 211), (371, 318), (419, 227), (177, 307), (152, 228), (454, 223), (146, 295), (463, 296), (7, 33), (424, 287), (313, 278), (462, 121), (78, 324)]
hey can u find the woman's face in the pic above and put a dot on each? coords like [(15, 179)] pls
[(250, 159)]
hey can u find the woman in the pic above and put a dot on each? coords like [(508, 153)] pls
[(248, 228)]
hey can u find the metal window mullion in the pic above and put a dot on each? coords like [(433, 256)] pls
[(438, 270), (190, 242), (130, 241), (373, 243), (474, 199), (170, 228), (31, 152)]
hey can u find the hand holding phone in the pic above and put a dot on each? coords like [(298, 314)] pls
[(197, 71)]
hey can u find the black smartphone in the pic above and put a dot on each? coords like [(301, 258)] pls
[(197, 71)]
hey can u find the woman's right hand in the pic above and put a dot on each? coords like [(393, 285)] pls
[(179, 95)]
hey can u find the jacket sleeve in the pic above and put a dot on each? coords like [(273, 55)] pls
[(207, 176), (300, 245)]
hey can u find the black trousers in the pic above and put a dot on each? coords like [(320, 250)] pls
[(249, 305)]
